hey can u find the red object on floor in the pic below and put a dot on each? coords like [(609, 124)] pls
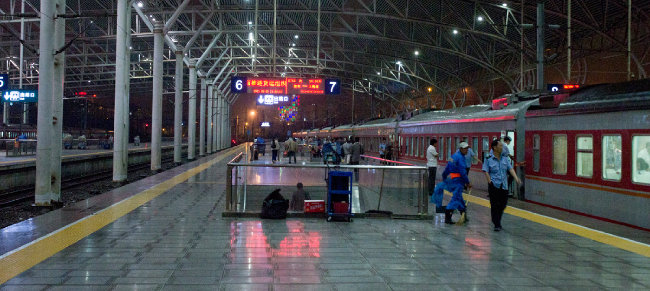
[(340, 207), (314, 206)]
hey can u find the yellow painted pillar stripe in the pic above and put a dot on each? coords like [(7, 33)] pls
[(27, 256), (596, 235)]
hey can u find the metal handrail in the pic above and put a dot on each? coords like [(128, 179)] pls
[(231, 203), (328, 166)]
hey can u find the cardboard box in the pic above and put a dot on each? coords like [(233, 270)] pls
[(314, 206)]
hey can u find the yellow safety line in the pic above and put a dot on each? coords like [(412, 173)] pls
[(27, 256), (596, 235)]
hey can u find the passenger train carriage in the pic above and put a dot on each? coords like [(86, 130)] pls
[(586, 152)]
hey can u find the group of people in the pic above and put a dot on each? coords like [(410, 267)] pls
[(497, 167)]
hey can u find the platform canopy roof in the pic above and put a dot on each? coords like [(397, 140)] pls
[(382, 47)]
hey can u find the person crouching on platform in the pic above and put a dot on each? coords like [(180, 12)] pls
[(496, 167), (455, 177)]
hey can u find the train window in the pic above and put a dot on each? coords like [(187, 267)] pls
[(486, 147), (475, 149), (448, 148), (416, 148), (612, 154), (536, 150), (584, 156), (408, 145), (559, 154), (425, 146), (441, 148), (641, 159)]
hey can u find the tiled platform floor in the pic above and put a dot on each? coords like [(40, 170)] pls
[(179, 241)]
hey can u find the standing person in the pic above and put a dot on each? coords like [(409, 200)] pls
[(347, 150), (496, 167), (355, 156), (382, 149), (298, 198), (469, 157), (275, 147), (432, 164), (456, 171), (291, 147)]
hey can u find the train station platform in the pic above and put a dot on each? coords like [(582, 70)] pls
[(4, 160), (166, 232)]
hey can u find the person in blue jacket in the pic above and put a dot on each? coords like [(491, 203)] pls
[(455, 177)]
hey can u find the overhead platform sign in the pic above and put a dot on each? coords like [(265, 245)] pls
[(285, 86), (4, 81), (19, 96)]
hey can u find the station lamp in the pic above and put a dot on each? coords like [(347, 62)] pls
[(140, 5), (455, 31), (480, 18), (417, 53), (504, 5)]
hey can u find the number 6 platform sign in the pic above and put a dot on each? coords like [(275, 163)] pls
[(238, 85)]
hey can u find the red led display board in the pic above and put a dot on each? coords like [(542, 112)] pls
[(285, 86)]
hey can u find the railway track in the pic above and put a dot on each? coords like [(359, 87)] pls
[(27, 193)]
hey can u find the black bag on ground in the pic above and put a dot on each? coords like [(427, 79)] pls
[(275, 206)]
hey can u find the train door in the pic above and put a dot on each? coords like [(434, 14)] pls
[(511, 146)]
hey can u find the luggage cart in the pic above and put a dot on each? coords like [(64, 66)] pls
[(339, 196)]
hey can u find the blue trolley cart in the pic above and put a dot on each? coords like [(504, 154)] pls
[(339, 196)]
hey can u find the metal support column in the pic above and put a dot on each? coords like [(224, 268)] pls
[(127, 85), (156, 104), (191, 115), (121, 78), (202, 106), (629, 40), (219, 124), (209, 119), (178, 106), (213, 118), (57, 101), (540, 44), (43, 188), (568, 39)]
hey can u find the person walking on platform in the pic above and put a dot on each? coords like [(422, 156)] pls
[(432, 164), (275, 147), (291, 147), (496, 167), (455, 176)]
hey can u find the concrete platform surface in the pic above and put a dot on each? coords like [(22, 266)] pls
[(174, 238)]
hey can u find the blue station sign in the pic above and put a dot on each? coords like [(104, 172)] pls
[(19, 96), (4, 82)]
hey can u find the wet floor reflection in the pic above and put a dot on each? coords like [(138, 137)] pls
[(272, 239)]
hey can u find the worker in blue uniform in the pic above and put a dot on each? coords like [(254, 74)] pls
[(455, 177)]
